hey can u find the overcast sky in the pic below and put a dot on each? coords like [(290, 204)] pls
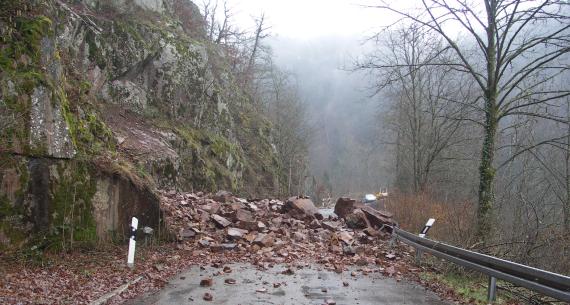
[(307, 19)]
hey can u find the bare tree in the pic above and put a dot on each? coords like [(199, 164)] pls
[(513, 50), (425, 124), (291, 131)]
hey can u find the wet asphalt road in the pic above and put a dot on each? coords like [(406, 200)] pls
[(309, 285)]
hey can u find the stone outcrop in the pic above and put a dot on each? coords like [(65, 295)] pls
[(102, 102)]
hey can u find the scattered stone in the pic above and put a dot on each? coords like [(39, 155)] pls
[(204, 242), (208, 297), (208, 282), (221, 221), (236, 232), (230, 281), (331, 225), (288, 271), (244, 215), (298, 236), (211, 207), (228, 246), (371, 232), (227, 269), (346, 237), (187, 233), (315, 224), (348, 250), (223, 196), (261, 290), (330, 302), (301, 208), (345, 284), (276, 285), (264, 240), (361, 261)]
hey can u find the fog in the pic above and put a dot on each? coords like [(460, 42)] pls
[(317, 42), (344, 115)]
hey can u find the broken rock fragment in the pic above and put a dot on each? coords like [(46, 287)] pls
[(211, 207), (223, 196), (346, 237), (221, 221), (187, 233), (264, 240), (244, 215), (298, 236), (344, 206), (357, 220), (301, 208), (206, 282), (230, 281), (236, 232), (377, 218), (208, 297)]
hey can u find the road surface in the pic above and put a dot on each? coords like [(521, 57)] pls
[(310, 285)]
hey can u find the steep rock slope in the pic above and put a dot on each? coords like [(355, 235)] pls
[(103, 101)]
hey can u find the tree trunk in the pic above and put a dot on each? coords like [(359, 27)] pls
[(567, 159), (486, 169), (487, 174)]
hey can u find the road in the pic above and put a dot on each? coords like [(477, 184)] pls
[(309, 285)]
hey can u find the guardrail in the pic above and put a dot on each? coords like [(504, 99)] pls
[(545, 282)]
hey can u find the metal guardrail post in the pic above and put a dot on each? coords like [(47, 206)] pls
[(393, 240), (418, 256), (492, 289)]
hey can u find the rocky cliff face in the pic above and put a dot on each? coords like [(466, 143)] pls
[(102, 102)]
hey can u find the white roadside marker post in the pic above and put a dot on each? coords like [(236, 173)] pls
[(422, 234), (132, 243), (429, 223)]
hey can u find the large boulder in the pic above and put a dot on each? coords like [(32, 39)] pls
[(360, 216), (301, 208), (345, 206), (379, 219), (357, 220)]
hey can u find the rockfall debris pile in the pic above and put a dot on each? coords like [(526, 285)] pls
[(274, 231), (218, 230)]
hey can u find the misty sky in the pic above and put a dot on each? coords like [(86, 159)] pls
[(302, 19)]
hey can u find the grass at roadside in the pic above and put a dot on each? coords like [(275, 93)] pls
[(470, 289)]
